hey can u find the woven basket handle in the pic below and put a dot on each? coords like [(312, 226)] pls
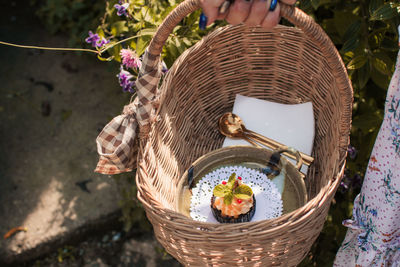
[(292, 14), (301, 20), (298, 18)]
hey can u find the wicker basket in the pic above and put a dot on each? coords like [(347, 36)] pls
[(288, 65)]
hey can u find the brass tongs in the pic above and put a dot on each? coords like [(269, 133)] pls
[(232, 126)]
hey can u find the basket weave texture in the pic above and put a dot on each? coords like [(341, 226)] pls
[(288, 65)]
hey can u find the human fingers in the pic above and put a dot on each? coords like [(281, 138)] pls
[(272, 18), (258, 12), (289, 2), (238, 11), (211, 9)]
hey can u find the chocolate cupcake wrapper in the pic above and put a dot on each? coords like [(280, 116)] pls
[(246, 217)]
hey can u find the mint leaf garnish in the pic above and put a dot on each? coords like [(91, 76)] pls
[(243, 192), (228, 198), (231, 180), (229, 190), (221, 190)]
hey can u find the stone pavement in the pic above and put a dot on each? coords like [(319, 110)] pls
[(52, 106), (111, 248)]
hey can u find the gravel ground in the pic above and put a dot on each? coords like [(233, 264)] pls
[(110, 248), (42, 90)]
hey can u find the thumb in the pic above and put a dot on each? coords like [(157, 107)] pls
[(211, 9)]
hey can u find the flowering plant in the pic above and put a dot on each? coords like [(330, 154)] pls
[(127, 28)]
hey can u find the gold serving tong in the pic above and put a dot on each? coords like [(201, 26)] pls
[(231, 125)]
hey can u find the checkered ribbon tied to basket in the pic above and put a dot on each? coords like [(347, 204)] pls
[(117, 142)]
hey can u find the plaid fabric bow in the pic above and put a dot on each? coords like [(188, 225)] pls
[(117, 142)]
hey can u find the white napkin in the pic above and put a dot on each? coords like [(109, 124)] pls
[(292, 125)]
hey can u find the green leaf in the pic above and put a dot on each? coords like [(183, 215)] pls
[(330, 28), (187, 41), (105, 59), (139, 2), (116, 52), (143, 40), (375, 38), (147, 15), (231, 180), (385, 12), (305, 5), (348, 56), (389, 44), (315, 4), (113, 50), (228, 198), (380, 79), (220, 190), (177, 29), (363, 74), (172, 50), (352, 30), (179, 45), (351, 44), (357, 62), (148, 31), (342, 21), (367, 122), (243, 192), (136, 27), (100, 32), (374, 5), (142, 43), (383, 63), (119, 27), (380, 65)]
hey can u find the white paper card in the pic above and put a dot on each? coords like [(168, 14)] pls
[(292, 125)]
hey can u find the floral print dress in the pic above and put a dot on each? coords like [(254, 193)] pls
[(373, 237)]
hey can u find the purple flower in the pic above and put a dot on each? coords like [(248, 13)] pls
[(356, 181), (352, 152), (102, 42), (124, 78), (95, 40), (122, 9), (344, 185), (92, 39), (129, 59)]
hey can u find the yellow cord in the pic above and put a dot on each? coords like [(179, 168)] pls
[(124, 40), (99, 52), (50, 48)]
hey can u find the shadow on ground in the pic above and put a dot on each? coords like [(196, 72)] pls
[(52, 106)]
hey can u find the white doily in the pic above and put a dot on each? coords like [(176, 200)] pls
[(268, 199)]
